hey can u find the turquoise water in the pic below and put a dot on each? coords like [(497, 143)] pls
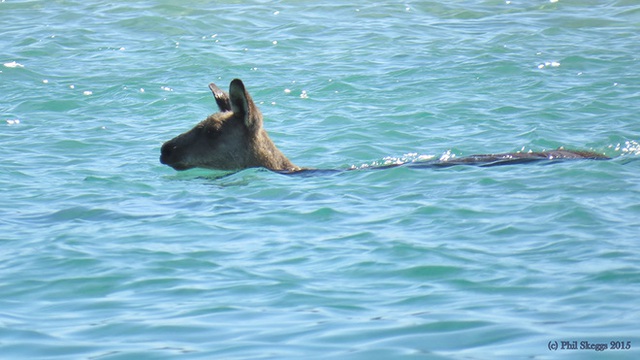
[(107, 254)]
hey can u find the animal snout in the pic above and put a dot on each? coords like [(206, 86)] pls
[(166, 151)]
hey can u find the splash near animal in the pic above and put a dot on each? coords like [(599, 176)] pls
[(234, 139)]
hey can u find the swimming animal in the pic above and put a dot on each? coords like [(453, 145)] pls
[(234, 139)]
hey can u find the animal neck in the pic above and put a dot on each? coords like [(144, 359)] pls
[(267, 155)]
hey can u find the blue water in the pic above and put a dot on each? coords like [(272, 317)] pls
[(107, 254)]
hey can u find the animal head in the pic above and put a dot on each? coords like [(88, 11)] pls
[(231, 139)]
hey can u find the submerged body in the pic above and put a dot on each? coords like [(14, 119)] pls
[(234, 139), (519, 158)]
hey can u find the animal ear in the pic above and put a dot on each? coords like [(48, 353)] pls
[(243, 106), (222, 99)]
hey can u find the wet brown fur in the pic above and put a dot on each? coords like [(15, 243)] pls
[(232, 139)]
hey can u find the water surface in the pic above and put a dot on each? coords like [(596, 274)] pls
[(107, 254)]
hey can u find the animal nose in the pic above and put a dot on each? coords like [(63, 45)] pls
[(165, 152)]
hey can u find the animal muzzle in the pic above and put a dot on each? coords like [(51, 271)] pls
[(165, 153), (169, 156)]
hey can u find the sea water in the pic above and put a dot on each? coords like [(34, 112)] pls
[(107, 254)]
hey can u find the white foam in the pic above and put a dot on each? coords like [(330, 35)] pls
[(13, 64)]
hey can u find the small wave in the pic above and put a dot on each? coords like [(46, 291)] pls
[(390, 161), (629, 147), (13, 64)]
